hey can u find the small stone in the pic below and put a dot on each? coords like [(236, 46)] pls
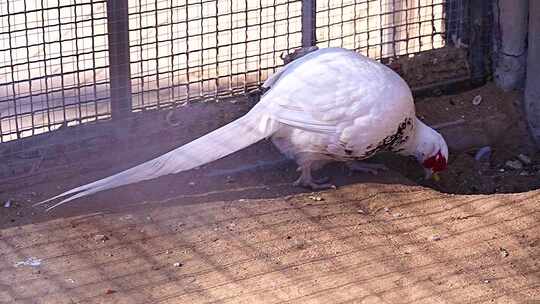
[(514, 164), (504, 253), (316, 198), (191, 183), (501, 170), (386, 209), (397, 214), (477, 100), (7, 204), (435, 238), (483, 154), (486, 281), (360, 211), (100, 238), (230, 179), (110, 291), (178, 264), (524, 159)]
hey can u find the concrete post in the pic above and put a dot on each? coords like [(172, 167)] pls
[(510, 38), (532, 86)]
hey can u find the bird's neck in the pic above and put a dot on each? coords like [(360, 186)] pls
[(418, 134)]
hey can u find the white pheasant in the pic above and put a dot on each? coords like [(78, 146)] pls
[(329, 105)]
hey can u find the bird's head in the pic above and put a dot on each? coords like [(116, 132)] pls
[(433, 155), (430, 150)]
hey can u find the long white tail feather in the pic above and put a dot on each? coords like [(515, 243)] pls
[(226, 140)]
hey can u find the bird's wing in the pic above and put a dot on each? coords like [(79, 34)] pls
[(326, 88), (354, 99), (247, 130)]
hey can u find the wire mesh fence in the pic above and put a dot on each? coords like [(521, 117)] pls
[(53, 65), (69, 62)]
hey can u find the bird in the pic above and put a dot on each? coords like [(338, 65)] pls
[(331, 104)]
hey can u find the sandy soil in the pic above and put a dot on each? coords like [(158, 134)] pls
[(236, 231)]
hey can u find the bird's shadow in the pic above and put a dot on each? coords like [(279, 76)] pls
[(258, 172)]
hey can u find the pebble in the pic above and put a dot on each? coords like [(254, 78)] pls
[(504, 252), (191, 183), (483, 154), (7, 204), (100, 238), (178, 264), (514, 164), (386, 209), (360, 211), (316, 198), (435, 238), (524, 159), (397, 214)]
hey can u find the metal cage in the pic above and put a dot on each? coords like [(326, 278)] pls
[(64, 63)]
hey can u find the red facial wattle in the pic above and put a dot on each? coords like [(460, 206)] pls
[(436, 163)]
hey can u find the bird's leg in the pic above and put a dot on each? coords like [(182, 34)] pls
[(307, 180), (361, 166)]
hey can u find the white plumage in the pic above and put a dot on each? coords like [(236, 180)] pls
[(331, 104)]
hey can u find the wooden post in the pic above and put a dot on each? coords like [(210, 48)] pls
[(532, 86), (479, 40), (309, 37), (119, 69)]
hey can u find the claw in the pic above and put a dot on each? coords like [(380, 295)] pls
[(307, 181)]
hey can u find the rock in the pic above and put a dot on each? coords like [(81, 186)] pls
[(100, 238), (514, 164), (504, 253), (7, 204), (524, 159), (178, 264), (483, 154), (316, 198), (397, 214)]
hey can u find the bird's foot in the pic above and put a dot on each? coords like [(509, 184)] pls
[(314, 184), (365, 167)]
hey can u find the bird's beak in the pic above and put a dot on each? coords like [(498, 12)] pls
[(431, 175)]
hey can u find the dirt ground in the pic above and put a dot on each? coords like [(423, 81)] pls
[(236, 231)]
